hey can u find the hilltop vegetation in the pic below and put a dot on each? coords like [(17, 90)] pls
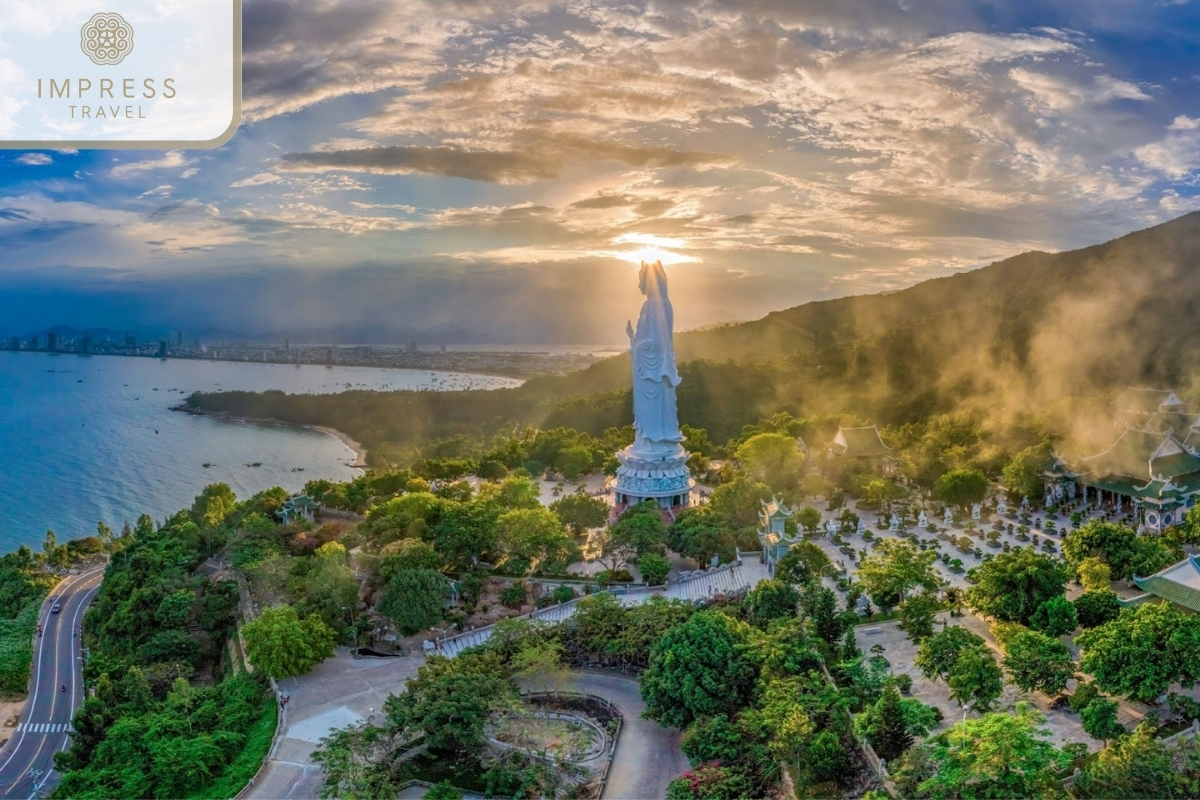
[(1023, 339)]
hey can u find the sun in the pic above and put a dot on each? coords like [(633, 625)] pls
[(653, 248)]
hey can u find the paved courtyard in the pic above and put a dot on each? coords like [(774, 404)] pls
[(341, 691)]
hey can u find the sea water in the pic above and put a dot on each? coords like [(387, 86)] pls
[(85, 439)]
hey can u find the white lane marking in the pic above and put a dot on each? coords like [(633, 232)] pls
[(58, 591)]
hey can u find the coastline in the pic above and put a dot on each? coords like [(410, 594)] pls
[(360, 452), (515, 375)]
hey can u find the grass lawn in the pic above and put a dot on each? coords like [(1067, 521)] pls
[(242, 769)]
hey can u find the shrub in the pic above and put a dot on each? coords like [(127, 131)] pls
[(513, 596)]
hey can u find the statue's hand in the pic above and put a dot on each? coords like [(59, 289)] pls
[(629, 329)]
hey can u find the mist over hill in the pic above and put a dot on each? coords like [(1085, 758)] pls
[(1028, 340)]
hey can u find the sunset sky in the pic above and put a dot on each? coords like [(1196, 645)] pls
[(493, 167)]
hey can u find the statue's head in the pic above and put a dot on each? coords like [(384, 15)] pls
[(652, 279)]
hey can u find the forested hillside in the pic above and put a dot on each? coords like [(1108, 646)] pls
[(1023, 338)]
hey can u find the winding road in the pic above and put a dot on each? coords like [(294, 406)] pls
[(27, 759)]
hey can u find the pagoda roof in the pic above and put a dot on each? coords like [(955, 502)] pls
[(1056, 465), (1178, 584), (1148, 401), (300, 501), (1143, 455), (1180, 422), (864, 442), (776, 507)]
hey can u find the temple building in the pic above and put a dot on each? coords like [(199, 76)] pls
[(1178, 584), (1151, 471), (773, 516), (864, 444), (299, 506)]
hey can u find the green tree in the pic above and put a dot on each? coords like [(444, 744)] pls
[(1012, 585), (579, 512), (414, 599), (701, 533), (213, 504), (330, 588), (1097, 607), (888, 731), (802, 563), (1037, 661), (533, 537), (451, 700), (879, 491), (654, 569), (961, 487), (407, 554), (1055, 617), (827, 760), (281, 644), (820, 605), (404, 517), (1135, 765), (917, 616), (1022, 475), (1125, 553), (937, 654), (1094, 574), (540, 665), (773, 459), (739, 500), (702, 667), (809, 519), (1099, 719), (463, 532), (640, 529), (893, 569), (976, 679), (573, 461), (772, 599), (996, 756), (1143, 651)]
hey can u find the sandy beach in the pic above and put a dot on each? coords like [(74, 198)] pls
[(360, 452)]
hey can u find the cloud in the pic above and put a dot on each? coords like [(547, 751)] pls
[(173, 159), (260, 179), (34, 159), (509, 167)]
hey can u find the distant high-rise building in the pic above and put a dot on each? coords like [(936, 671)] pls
[(162, 348), (287, 344), (179, 339), (33, 343), (130, 339), (85, 344), (52, 342), (362, 351), (412, 347), (443, 348), (328, 355), (14, 343)]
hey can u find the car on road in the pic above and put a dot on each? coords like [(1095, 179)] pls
[(57, 608)]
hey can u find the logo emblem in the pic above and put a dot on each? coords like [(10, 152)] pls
[(106, 39)]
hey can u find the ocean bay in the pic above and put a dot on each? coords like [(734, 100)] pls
[(84, 439)]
